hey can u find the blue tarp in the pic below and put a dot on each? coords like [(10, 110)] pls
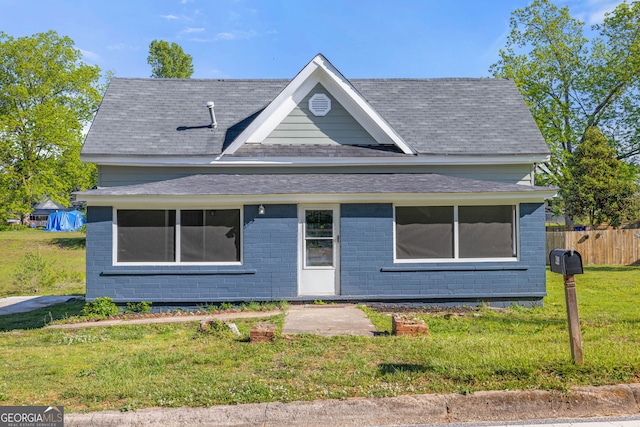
[(65, 221)]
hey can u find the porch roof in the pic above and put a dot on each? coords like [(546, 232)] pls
[(292, 184)]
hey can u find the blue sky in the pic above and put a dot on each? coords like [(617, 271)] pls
[(276, 38)]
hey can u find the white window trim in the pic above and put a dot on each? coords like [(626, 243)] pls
[(335, 238), (456, 243), (114, 245)]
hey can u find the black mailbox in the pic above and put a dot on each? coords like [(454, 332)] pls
[(566, 262)]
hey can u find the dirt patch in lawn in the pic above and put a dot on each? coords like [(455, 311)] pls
[(431, 309)]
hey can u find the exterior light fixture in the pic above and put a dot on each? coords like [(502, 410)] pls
[(260, 210)]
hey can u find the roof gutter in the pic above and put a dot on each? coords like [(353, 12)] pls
[(227, 161)]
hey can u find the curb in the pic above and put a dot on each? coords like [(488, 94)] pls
[(579, 402)]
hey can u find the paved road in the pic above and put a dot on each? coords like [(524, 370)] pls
[(633, 421)]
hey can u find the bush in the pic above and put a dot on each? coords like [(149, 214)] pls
[(100, 308), (6, 227), (142, 307)]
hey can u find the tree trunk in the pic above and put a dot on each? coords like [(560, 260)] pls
[(568, 220)]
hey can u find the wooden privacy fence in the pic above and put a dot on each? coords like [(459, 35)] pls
[(621, 247)]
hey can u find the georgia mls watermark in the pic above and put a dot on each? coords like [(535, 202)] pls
[(31, 416)]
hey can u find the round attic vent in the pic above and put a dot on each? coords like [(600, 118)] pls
[(320, 104)]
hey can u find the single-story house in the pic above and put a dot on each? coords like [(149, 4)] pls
[(318, 187), (41, 211)]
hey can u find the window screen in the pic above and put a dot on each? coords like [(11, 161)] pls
[(146, 235), (486, 231), (424, 232), (210, 235)]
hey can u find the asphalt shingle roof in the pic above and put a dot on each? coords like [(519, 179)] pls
[(168, 117), (262, 184)]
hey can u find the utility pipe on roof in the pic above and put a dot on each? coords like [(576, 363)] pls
[(214, 122)]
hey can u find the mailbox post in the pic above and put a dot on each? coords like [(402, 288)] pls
[(568, 263)]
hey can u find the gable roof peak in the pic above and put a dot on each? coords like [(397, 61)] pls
[(320, 70)]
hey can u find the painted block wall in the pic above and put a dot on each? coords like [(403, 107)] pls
[(269, 271), (368, 269)]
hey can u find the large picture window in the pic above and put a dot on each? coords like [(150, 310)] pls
[(424, 232), (146, 235), (178, 236), (486, 231), (455, 232), (210, 235)]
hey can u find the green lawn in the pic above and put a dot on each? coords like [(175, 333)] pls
[(43, 263), (128, 367)]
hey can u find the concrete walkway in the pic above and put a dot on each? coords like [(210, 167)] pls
[(169, 319), (13, 305), (327, 320)]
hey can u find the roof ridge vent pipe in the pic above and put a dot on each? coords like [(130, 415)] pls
[(214, 122)]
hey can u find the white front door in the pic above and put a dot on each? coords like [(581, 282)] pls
[(319, 250)]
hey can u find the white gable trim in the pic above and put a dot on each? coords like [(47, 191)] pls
[(319, 70)]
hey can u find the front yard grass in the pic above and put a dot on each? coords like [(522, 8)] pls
[(171, 365), (42, 263)]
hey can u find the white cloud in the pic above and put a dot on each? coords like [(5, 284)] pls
[(597, 16), (121, 46), (231, 36), (89, 55), (171, 17), (498, 43), (225, 36), (192, 30), (236, 35), (592, 11)]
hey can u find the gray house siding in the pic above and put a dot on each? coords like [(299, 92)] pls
[(269, 270), (301, 126), (114, 176)]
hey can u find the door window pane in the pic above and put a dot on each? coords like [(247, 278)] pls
[(319, 223), (486, 231), (319, 253), (146, 235), (424, 232)]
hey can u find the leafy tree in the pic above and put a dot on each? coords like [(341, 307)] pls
[(47, 96), (601, 186), (169, 61), (572, 83)]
